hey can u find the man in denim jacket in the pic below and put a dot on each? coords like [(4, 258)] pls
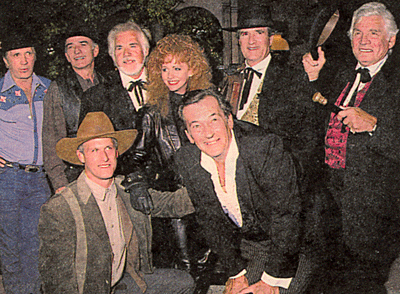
[(23, 182)]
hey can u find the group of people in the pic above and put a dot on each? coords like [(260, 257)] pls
[(290, 196)]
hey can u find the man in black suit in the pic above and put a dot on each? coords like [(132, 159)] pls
[(122, 95), (362, 154), (242, 184), (128, 46), (268, 92)]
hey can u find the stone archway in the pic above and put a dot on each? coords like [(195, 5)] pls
[(226, 13)]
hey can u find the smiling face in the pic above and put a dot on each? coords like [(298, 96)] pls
[(255, 44), (175, 75), (20, 62), (208, 127), (129, 55), (370, 40), (100, 159), (80, 51)]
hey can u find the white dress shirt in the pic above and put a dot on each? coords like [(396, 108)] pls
[(229, 199), (126, 83), (373, 69)]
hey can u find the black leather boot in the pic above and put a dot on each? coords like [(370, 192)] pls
[(179, 227)]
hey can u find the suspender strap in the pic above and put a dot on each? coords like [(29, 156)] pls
[(81, 242)]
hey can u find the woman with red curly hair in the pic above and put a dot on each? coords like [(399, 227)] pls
[(176, 66)]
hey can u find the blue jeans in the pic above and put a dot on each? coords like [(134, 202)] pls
[(21, 196)]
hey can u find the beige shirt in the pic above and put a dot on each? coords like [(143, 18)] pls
[(106, 199)]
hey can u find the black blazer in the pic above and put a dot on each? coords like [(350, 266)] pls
[(268, 197), (370, 200)]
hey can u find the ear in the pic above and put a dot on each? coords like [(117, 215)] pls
[(392, 41), (230, 121), (5, 62), (67, 57), (190, 72), (96, 50), (271, 39), (81, 157), (145, 52), (189, 137)]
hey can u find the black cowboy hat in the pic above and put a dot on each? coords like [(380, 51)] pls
[(252, 14), (17, 39)]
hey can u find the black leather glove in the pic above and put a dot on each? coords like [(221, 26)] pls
[(136, 185)]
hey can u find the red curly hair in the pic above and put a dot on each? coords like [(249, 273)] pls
[(183, 49)]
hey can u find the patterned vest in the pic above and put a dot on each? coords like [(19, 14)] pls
[(336, 140)]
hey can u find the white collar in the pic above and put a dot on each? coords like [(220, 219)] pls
[(127, 79), (374, 68), (262, 65), (208, 163)]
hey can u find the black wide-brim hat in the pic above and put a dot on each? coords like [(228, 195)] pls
[(83, 30), (76, 29), (253, 14), (16, 39)]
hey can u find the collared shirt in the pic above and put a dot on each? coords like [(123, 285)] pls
[(125, 82), (106, 199), (373, 69), (20, 125), (229, 200), (256, 84), (87, 83)]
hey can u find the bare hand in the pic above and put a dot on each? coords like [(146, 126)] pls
[(60, 189), (313, 67), (260, 288), (357, 120), (2, 162), (233, 286)]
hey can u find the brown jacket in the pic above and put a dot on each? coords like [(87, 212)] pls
[(57, 232)]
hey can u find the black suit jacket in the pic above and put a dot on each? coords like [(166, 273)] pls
[(286, 109), (269, 201), (113, 99), (370, 200)]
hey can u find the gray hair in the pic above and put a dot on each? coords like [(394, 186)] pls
[(81, 149), (374, 8), (144, 36), (196, 96)]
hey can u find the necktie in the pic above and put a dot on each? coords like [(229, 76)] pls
[(249, 74), (138, 86), (363, 76)]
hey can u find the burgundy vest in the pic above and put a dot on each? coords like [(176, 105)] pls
[(335, 140)]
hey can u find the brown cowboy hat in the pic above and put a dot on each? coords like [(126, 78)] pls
[(94, 125)]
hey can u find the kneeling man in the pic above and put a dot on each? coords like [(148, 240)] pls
[(91, 239), (243, 186)]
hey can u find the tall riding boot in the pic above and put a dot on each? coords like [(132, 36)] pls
[(180, 232)]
